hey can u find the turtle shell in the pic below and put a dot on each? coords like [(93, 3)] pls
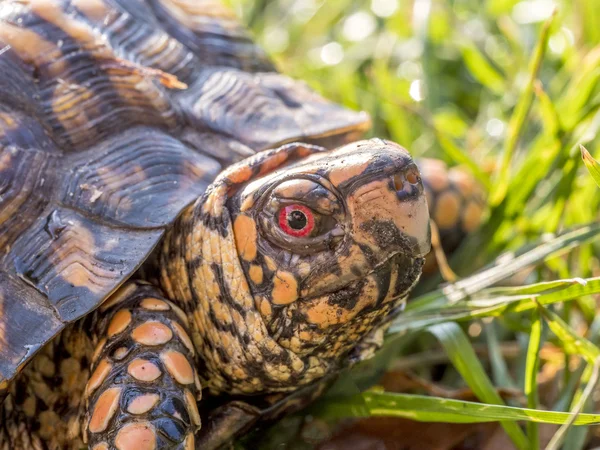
[(115, 115)]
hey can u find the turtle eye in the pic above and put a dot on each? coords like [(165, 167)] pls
[(296, 220)]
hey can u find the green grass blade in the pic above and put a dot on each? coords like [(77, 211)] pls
[(559, 437), (532, 365), (463, 357), (481, 68), (569, 339), (505, 269), (484, 305), (519, 116), (435, 409), (592, 165)]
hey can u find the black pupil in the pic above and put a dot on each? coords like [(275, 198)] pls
[(297, 220)]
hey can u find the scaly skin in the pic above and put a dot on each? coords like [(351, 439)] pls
[(290, 310)]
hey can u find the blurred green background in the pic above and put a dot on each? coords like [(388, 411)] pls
[(508, 89)]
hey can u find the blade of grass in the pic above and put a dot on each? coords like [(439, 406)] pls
[(532, 365), (569, 339), (559, 437), (464, 359), (592, 165), (481, 68), (483, 305), (519, 116), (505, 268), (436, 409)]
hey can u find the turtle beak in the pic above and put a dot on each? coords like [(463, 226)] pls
[(390, 211), (413, 214)]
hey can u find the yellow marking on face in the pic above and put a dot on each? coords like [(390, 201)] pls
[(344, 173), (247, 203), (265, 307), (320, 312), (240, 175), (244, 230), (376, 201), (272, 163), (285, 288), (447, 210), (256, 274)]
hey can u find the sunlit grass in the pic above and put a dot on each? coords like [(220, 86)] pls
[(510, 90)]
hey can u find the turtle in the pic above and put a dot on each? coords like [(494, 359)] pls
[(179, 220)]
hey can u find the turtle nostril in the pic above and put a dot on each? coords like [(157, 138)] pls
[(413, 176), (398, 182), (408, 183)]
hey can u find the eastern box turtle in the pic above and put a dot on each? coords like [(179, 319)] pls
[(163, 232)]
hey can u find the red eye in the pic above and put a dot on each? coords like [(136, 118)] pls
[(296, 220)]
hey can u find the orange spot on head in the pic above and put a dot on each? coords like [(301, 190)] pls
[(256, 274), (275, 161), (344, 173), (244, 230), (240, 174), (265, 307), (285, 288)]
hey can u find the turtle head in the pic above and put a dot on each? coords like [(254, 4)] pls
[(303, 252), (331, 244)]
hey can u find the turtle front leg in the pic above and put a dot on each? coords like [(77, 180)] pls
[(143, 387)]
